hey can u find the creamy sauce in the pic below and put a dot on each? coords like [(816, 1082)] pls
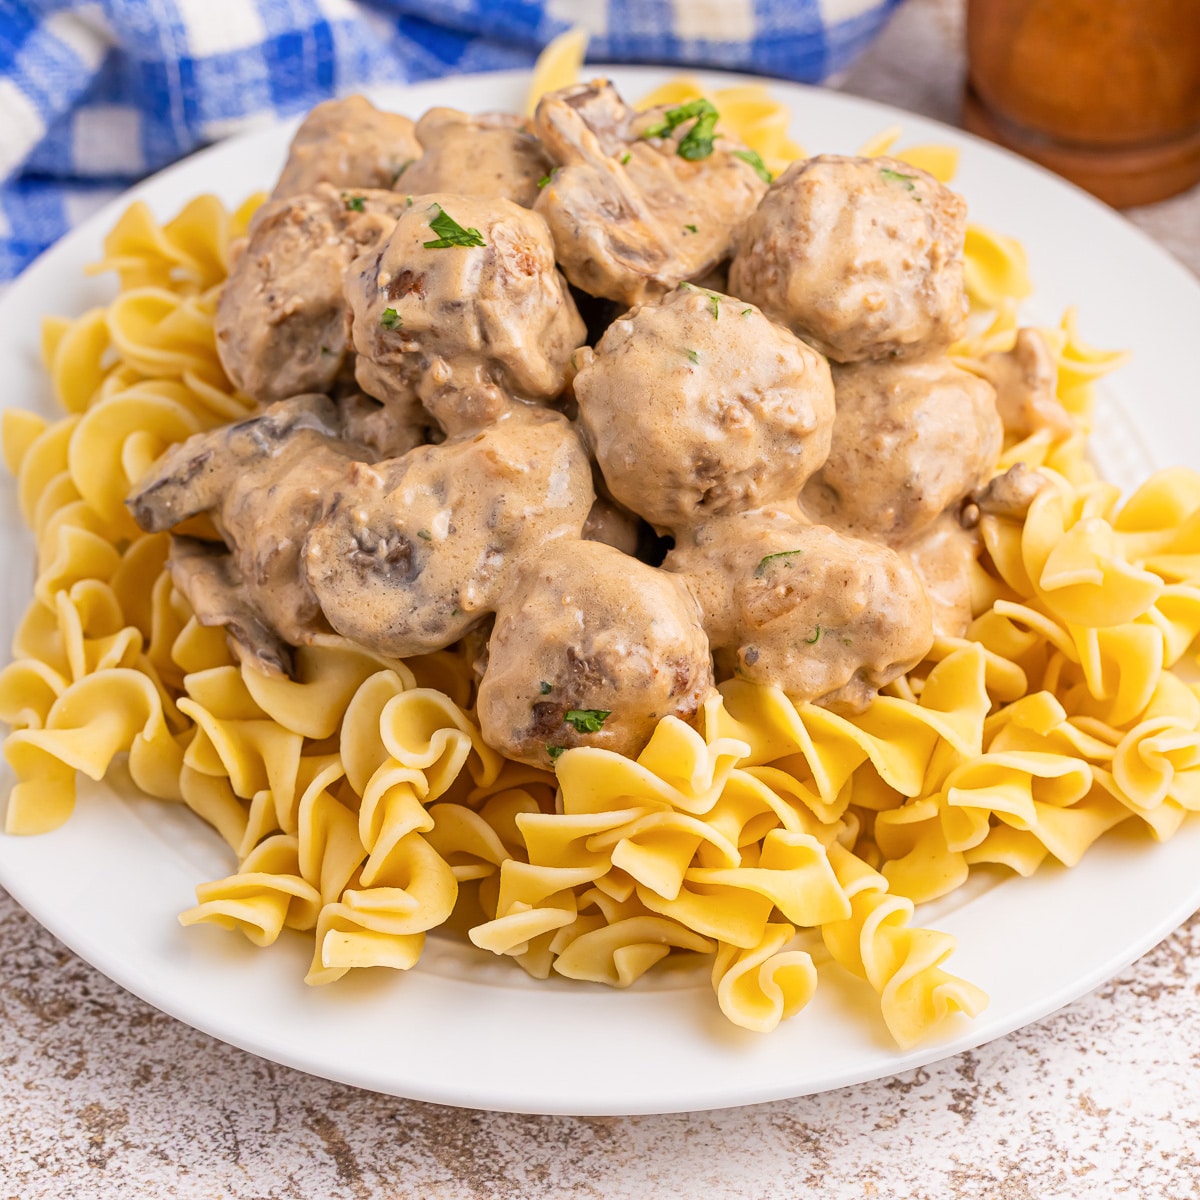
[(432, 492)]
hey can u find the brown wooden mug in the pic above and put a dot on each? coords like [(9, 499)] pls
[(1105, 92)]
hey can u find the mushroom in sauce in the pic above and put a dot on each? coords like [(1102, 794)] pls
[(640, 202), (264, 481), (411, 553), (281, 324)]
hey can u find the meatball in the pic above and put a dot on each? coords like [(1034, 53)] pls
[(697, 405), (639, 201), (348, 143), (491, 155), (281, 324), (823, 616), (591, 648), (462, 309), (910, 439), (862, 257), (264, 481), (413, 552)]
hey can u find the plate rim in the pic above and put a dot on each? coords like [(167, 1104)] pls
[(48, 263)]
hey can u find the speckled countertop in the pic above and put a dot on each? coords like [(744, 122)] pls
[(102, 1096)]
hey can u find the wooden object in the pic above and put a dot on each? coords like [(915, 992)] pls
[(1105, 92)]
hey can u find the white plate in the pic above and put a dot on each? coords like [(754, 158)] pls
[(464, 1028)]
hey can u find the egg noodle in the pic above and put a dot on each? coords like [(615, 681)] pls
[(365, 809)]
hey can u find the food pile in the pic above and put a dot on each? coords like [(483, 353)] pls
[(590, 394)]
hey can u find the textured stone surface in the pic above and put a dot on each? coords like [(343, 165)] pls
[(102, 1096)]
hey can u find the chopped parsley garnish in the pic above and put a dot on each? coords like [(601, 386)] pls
[(326, 350), (714, 306), (545, 688), (425, 534), (356, 203), (691, 229), (816, 637), (747, 311), (408, 162), (755, 160), (692, 355), (390, 319), (408, 202), (625, 157), (847, 641), (783, 557), (545, 179), (697, 143), (554, 752), (451, 233), (587, 720), (899, 177)]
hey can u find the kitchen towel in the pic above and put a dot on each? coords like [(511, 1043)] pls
[(94, 94)]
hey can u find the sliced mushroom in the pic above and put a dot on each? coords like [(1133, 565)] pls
[(639, 202)]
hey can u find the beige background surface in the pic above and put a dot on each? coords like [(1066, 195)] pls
[(102, 1096)]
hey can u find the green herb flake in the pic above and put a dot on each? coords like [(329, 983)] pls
[(554, 752), (545, 688), (408, 162), (691, 355), (697, 143), (408, 202), (451, 233), (425, 535), (545, 179), (714, 306), (691, 229), (625, 157), (326, 350), (454, 612), (816, 637), (587, 720), (847, 641), (782, 557), (899, 177), (747, 311), (755, 160), (390, 319), (356, 203)]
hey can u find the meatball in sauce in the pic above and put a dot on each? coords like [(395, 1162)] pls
[(861, 257), (595, 648), (696, 405), (462, 310)]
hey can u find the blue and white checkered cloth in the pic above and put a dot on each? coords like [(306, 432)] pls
[(96, 93)]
